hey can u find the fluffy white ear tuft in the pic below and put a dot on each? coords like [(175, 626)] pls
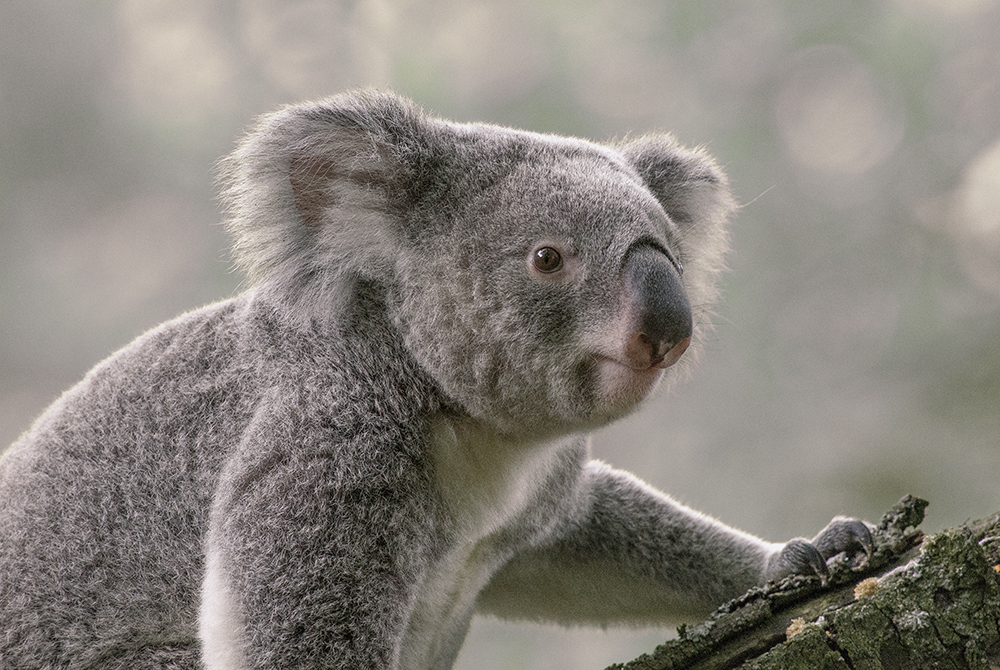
[(315, 197)]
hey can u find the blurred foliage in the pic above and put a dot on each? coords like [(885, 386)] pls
[(857, 353)]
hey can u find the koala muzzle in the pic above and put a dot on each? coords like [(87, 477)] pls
[(661, 313)]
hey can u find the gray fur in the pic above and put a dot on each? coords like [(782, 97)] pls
[(387, 431)]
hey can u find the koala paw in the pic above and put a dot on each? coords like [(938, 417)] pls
[(843, 535)]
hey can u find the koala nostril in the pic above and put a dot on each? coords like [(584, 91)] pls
[(674, 353), (643, 353)]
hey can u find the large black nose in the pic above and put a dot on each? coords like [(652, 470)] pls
[(663, 323)]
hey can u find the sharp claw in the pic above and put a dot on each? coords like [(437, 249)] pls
[(818, 564), (864, 538), (800, 554), (842, 535)]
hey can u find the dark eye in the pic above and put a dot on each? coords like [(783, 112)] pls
[(547, 260)]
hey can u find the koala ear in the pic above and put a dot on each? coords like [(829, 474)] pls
[(694, 192), (315, 194)]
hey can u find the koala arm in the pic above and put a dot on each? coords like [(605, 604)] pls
[(298, 573), (634, 555)]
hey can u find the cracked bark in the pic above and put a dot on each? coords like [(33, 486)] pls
[(919, 602)]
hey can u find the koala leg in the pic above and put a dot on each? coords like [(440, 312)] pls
[(327, 590), (633, 555), (309, 563), (153, 657)]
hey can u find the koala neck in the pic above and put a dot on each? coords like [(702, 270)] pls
[(486, 478), (357, 343)]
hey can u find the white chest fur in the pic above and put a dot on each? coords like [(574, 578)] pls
[(487, 485)]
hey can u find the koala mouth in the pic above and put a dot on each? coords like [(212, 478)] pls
[(622, 384), (626, 378)]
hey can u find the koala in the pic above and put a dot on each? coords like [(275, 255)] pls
[(385, 433)]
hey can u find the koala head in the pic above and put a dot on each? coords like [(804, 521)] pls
[(544, 283)]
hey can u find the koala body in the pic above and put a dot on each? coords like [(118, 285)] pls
[(387, 432)]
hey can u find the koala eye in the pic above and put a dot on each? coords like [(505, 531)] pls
[(547, 260)]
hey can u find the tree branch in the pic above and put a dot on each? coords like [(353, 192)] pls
[(917, 603)]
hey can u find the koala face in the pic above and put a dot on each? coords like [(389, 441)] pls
[(554, 301), (544, 283)]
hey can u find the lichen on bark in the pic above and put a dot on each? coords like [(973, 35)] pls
[(925, 603)]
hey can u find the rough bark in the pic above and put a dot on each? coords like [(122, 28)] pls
[(919, 602)]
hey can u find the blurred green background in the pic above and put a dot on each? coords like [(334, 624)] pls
[(857, 354)]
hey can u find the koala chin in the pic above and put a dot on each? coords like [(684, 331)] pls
[(386, 433)]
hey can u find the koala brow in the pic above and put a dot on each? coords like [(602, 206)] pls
[(655, 244)]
